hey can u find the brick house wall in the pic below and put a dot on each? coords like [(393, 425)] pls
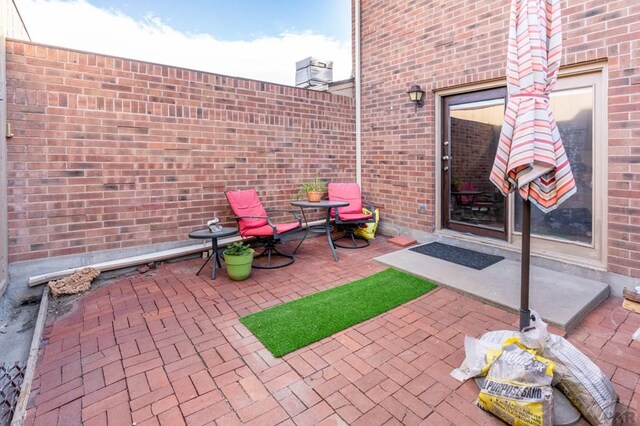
[(442, 45), (11, 25), (111, 153)]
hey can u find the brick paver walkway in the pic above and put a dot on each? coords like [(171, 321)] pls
[(167, 348)]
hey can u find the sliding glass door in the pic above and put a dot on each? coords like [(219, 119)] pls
[(471, 124)]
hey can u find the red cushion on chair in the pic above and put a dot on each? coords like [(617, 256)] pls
[(467, 199), (348, 217), (247, 203), (349, 192), (266, 230)]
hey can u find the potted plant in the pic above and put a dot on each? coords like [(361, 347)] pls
[(238, 257), (313, 190)]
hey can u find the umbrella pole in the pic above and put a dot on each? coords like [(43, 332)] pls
[(525, 314)]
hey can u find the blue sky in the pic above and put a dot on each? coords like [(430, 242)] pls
[(244, 19), (261, 40)]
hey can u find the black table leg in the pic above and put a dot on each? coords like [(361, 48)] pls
[(328, 230), (214, 248), (204, 264), (306, 224), (218, 256)]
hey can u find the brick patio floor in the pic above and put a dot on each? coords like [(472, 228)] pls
[(166, 347)]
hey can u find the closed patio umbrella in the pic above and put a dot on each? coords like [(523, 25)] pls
[(530, 157)]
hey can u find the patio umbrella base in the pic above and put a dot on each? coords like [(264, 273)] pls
[(564, 413), (525, 318)]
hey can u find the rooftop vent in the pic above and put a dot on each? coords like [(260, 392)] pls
[(313, 73)]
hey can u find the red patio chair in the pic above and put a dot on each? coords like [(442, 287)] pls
[(254, 221), (351, 216)]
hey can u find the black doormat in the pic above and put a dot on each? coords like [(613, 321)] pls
[(461, 256)]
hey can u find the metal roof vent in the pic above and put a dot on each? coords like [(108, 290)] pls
[(314, 73)]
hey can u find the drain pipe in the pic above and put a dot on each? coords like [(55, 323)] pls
[(358, 97)]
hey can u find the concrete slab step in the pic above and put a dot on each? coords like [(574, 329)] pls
[(561, 299)]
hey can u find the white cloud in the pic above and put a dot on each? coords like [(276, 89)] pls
[(79, 25)]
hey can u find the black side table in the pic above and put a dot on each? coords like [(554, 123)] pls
[(206, 234)]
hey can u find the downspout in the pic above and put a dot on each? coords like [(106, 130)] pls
[(4, 227), (358, 97)]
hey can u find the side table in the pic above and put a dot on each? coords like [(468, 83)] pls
[(206, 234)]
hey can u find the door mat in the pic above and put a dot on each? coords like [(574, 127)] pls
[(458, 255), (292, 325)]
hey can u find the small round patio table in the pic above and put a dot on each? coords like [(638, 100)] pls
[(323, 204), (207, 234)]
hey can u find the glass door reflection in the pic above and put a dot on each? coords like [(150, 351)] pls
[(472, 130)]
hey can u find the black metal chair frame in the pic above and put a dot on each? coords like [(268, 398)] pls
[(349, 226), (270, 242), (478, 208)]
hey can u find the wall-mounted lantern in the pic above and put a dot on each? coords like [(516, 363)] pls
[(416, 94)]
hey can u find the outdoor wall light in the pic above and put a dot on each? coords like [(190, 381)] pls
[(416, 94)]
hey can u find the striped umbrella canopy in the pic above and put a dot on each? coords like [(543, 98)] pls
[(530, 155)]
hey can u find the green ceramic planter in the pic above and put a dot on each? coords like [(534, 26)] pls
[(239, 267)]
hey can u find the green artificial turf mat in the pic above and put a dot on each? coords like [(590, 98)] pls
[(293, 325)]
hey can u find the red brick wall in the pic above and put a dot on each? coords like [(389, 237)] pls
[(111, 153), (442, 44)]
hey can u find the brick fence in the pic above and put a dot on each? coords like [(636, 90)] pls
[(111, 153), (442, 45)]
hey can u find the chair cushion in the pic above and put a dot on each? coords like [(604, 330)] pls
[(350, 217), (247, 203), (349, 192), (467, 199), (266, 230)]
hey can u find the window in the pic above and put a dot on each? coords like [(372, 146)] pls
[(573, 110)]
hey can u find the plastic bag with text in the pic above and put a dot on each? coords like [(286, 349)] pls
[(582, 382), (518, 386), (479, 353), (575, 375), (368, 230)]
